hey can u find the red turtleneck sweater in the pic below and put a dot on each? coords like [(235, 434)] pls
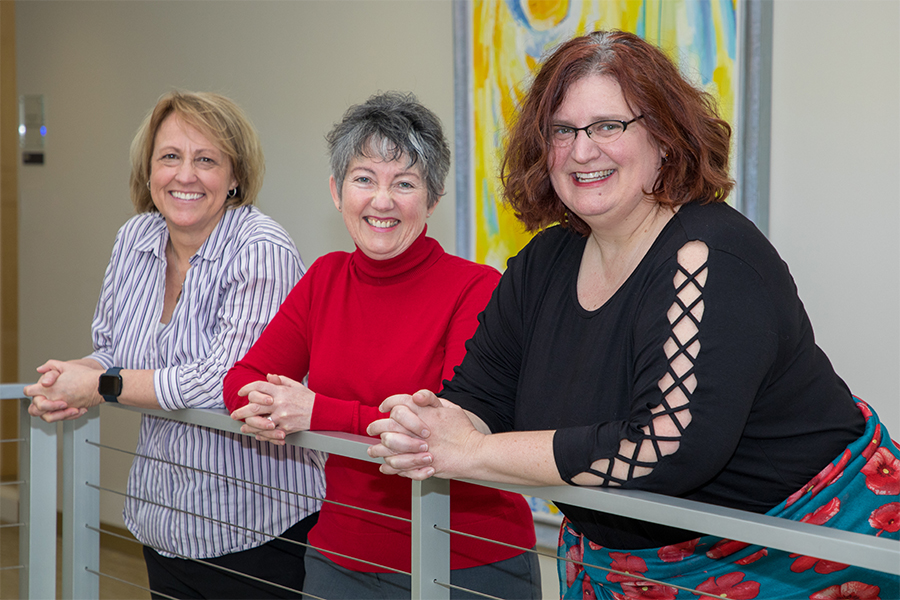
[(363, 330)]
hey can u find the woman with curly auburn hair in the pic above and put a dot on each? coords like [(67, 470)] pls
[(653, 340)]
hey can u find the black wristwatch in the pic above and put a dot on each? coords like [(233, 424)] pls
[(110, 386)]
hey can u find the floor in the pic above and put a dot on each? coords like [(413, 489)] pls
[(123, 560), (118, 558)]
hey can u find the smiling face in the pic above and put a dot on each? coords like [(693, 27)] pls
[(189, 179), (603, 183), (384, 205)]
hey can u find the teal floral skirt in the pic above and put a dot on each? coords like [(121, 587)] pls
[(857, 492)]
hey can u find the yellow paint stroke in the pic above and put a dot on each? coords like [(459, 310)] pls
[(509, 38)]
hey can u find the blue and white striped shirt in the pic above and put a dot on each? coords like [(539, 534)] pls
[(236, 283)]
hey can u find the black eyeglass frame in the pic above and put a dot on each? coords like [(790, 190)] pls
[(587, 131)]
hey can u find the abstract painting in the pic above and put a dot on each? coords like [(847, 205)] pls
[(505, 41)]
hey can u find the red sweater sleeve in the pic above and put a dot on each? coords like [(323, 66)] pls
[(472, 300)]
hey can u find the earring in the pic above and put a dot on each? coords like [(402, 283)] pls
[(148, 184), (232, 192)]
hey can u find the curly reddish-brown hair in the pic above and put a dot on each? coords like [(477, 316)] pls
[(681, 120)]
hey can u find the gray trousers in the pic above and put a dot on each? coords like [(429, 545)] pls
[(517, 578)]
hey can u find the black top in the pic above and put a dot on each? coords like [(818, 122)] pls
[(767, 413)]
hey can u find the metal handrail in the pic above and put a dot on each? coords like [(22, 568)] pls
[(431, 508)]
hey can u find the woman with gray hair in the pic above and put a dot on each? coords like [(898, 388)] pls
[(394, 315)]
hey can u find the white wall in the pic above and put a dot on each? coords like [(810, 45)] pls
[(835, 199), (296, 66)]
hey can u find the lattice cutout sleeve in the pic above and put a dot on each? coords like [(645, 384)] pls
[(662, 435)]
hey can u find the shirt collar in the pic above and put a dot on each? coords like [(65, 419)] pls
[(212, 248)]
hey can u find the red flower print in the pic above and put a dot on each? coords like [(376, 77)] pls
[(886, 518), (730, 586), (873, 445), (677, 552), (826, 476), (864, 409), (753, 557), (627, 563), (883, 473), (573, 569), (852, 590), (724, 548), (594, 546), (821, 515), (822, 567), (587, 590), (647, 590)]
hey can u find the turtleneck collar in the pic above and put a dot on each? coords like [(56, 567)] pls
[(423, 252)]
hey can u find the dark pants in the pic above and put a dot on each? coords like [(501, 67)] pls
[(516, 578), (276, 561)]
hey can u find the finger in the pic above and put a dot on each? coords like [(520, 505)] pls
[(62, 415), (248, 410), (260, 422), (274, 436), (399, 443), (425, 398), (44, 404), (50, 365), (396, 400), (383, 450), (283, 380), (376, 428), (409, 462), (409, 420), (259, 399), (261, 438), (49, 378), (250, 430), (417, 474), (33, 390), (256, 386)]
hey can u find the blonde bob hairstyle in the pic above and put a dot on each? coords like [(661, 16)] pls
[(220, 120)]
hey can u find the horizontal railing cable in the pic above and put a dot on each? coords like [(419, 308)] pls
[(14, 567), (246, 481), (131, 583), (235, 526), (202, 562), (577, 562)]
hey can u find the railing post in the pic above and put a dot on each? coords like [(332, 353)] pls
[(430, 547), (37, 506), (81, 507)]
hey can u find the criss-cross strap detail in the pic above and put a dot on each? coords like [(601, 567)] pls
[(661, 436)]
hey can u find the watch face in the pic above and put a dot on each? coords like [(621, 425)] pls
[(110, 385)]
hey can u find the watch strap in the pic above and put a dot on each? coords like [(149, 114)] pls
[(112, 372)]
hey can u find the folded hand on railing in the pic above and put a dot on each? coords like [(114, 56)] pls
[(66, 389), (275, 408), (425, 436)]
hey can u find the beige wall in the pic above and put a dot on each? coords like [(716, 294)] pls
[(835, 199), (295, 67)]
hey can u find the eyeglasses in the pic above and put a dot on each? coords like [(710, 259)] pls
[(601, 132)]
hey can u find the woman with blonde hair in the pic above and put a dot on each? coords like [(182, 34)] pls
[(193, 279)]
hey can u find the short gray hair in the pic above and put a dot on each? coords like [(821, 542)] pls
[(389, 126)]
